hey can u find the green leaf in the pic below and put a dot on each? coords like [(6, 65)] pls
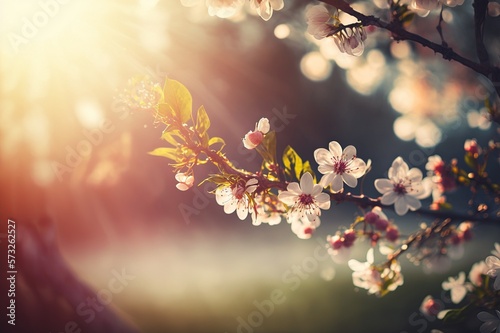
[(165, 111), (269, 145), (456, 315), (170, 153), (470, 161), (178, 97), (214, 140), (202, 121), (292, 163), (306, 167), (169, 136)]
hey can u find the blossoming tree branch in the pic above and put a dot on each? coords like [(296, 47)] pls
[(287, 187)]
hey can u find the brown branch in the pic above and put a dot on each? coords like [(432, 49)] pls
[(364, 201), (399, 33), (480, 8)]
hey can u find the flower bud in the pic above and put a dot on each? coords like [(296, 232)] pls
[(371, 217), (430, 306), (349, 237), (336, 242), (392, 233), (381, 224)]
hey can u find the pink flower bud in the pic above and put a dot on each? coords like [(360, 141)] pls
[(392, 233), (374, 238), (336, 242), (381, 224), (471, 147), (349, 237), (252, 139), (456, 239), (371, 217), (430, 306), (466, 229)]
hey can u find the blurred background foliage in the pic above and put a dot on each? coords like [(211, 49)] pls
[(73, 151)]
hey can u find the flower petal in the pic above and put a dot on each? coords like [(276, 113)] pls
[(357, 167), (242, 210), (384, 185), (458, 293), (323, 156), (412, 202), (294, 188), (317, 189), (306, 183), (349, 152), (350, 180), (415, 175), (277, 4), (400, 206), (323, 201), (287, 198), (488, 327), (496, 285), (230, 206), (389, 198), (326, 168), (335, 149), (326, 179), (337, 183), (263, 125)]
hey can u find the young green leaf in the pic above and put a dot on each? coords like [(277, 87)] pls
[(292, 163), (214, 140), (178, 97), (202, 121), (170, 153)]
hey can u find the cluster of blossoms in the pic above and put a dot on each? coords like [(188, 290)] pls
[(340, 245), (378, 280), (229, 8), (381, 226), (477, 288), (236, 196), (424, 7), (322, 24)]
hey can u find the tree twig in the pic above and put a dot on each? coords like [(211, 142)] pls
[(399, 33)]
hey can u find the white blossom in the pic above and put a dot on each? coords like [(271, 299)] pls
[(185, 182), (373, 279), (496, 251), (457, 287), (493, 265), (261, 215), (304, 228), (351, 40), (339, 166), (404, 187), (490, 322), (318, 18), (235, 197), (476, 271), (265, 8), (223, 8), (305, 200), (493, 9)]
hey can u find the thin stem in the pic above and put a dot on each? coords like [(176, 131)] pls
[(440, 29), (423, 234)]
